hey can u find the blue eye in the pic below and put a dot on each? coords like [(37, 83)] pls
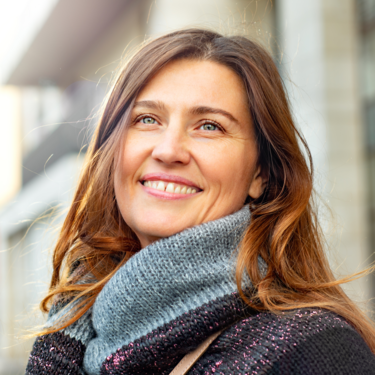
[(148, 120), (210, 127)]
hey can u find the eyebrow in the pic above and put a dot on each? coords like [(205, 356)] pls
[(202, 110), (199, 110), (150, 104)]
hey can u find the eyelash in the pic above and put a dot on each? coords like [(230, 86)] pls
[(139, 118), (206, 121), (210, 122)]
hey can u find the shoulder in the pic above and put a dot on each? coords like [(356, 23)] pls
[(299, 342), (63, 350)]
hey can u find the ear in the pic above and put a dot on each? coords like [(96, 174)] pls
[(258, 184)]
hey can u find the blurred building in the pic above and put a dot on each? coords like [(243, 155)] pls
[(366, 31), (54, 80)]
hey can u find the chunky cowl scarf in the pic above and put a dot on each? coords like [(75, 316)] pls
[(172, 295)]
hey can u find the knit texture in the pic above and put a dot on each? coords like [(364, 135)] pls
[(300, 342), (175, 293), (163, 281)]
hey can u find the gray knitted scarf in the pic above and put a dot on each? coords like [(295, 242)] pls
[(163, 281), (172, 295)]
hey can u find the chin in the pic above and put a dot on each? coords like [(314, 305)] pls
[(149, 231), (158, 231)]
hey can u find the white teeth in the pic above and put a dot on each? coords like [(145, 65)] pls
[(170, 188), (161, 186)]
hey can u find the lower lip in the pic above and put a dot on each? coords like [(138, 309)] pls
[(165, 195)]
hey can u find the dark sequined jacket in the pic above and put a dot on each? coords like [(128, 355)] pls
[(303, 342)]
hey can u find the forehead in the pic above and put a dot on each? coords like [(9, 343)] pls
[(194, 82)]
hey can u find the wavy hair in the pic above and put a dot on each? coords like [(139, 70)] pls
[(284, 229)]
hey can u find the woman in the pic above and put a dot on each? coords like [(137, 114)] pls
[(192, 217)]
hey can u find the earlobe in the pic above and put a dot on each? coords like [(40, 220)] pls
[(258, 184)]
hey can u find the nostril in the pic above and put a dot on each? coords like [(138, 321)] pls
[(171, 153)]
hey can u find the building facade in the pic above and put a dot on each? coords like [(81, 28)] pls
[(366, 27), (325, 51)]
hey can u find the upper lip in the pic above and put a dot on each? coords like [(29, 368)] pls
[(169, 178)]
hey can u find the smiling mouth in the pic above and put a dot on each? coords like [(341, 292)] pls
[(170, 187)]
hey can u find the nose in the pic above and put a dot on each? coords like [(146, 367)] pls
[(171, 147)]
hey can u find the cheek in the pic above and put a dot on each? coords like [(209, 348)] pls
[(134, 154), (230, 168), (127, 165)]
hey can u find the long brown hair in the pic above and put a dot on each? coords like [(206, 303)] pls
[(284, 229)]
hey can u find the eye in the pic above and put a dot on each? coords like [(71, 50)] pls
[(148, 120), (210, 127)]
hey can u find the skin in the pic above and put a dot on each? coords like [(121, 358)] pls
[(217, 152)]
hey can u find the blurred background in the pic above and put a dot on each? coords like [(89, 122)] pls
[(57, 60)]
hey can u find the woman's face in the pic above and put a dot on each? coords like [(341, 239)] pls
[(189, 155)]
